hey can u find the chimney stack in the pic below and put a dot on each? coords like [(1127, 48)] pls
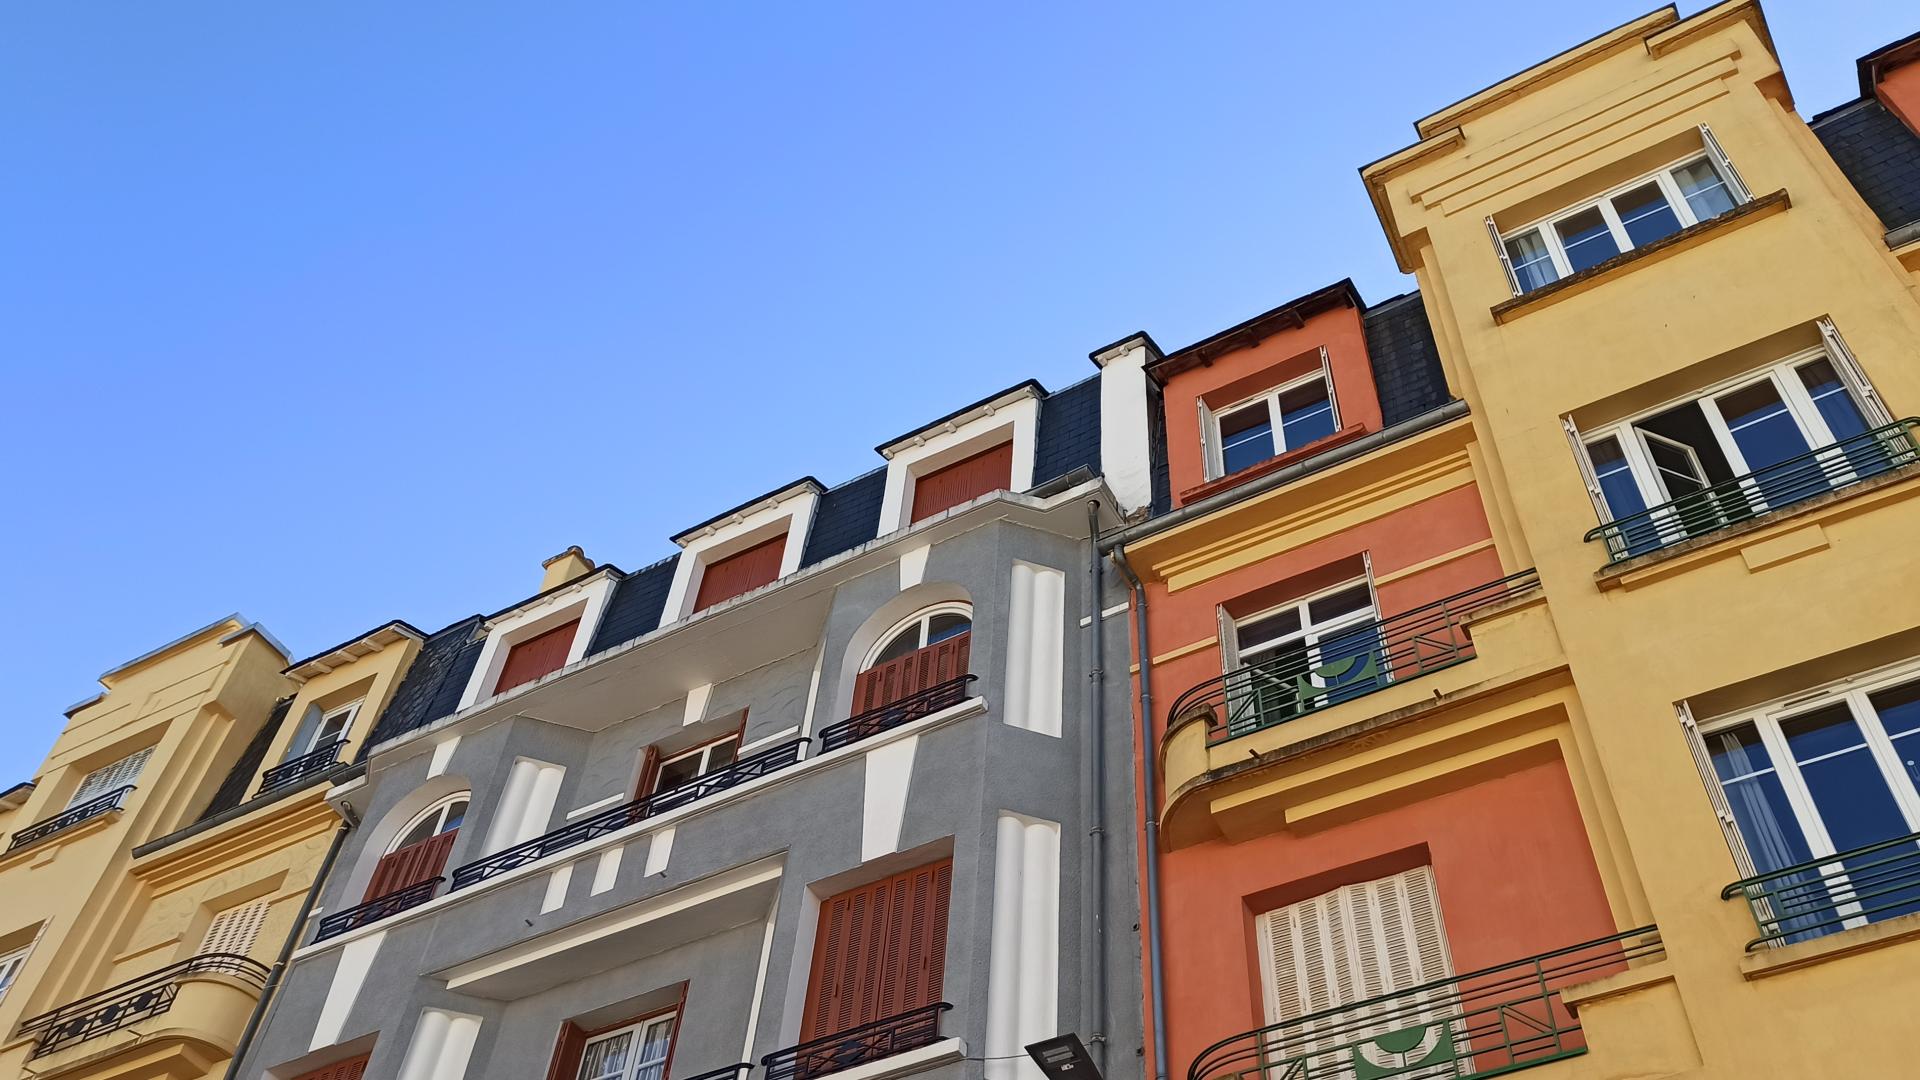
[(564, 567)]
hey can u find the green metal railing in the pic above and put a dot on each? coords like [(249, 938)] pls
[(1346, 664), (1797, 479), (1834, 892), (1493, 1020)]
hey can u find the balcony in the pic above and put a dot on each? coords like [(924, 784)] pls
[(216, 989), (294, 770), (67, 819), (926, 702), (858, 1046), (762, 764), (1370, 658), (1833, 893), (1498, 1019), (378, 908), (1830, 469)]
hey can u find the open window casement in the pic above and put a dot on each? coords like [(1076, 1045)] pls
[(1500, 251), (1720, 161), (1716, 795), (1853, 374)]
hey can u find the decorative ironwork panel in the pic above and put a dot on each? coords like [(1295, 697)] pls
[(912, 707), (378, 908), (857, 1046), (67, 819), (1834, 892), (294, 770), (132, 1001)]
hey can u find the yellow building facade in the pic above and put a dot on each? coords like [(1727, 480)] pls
[(160, 860)]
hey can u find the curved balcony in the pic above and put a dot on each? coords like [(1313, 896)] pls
[(72, 816), (1498, 1019), (208, 996)]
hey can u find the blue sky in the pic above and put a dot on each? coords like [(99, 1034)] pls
[(334, 313)]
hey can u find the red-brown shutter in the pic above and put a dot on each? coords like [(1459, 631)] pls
[(963, 481), (411, 865), (881, 950), (350, 1069), (884, 684), (649, 772), (541, 654), (567, 1050), (743, 572)]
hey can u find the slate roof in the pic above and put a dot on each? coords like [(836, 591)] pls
[(1878, 154), (635, 606), (846, 517), (433, 684), (1406, 362), (235, 786), (1069, 431)]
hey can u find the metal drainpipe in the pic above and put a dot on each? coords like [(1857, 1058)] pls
[(1148, 799), (286, 950), (1096, 798)]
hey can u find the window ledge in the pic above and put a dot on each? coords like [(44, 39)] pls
[(1752, 210), (1278, 461), (1764, 962), (1641, 568)]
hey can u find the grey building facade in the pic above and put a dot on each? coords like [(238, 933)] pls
[(841, 823)]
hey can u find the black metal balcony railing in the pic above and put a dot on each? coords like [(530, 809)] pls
[(1346, 664), (376, 909), (1493, 1020), (1797, 479), (727, 1072), (1832, 893), (748, 768), (132, 1001), (294, 770), (67, 819), (912, 707), (869, 1042)]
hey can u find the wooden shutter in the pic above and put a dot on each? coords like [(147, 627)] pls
[(649, 772), (740, 573), (411, 865), (350, 1069), (566, 1052), (541, 654), (111, 777), (963, 481), (880, 951), (236, 929), (883, 684), (1354, 943)]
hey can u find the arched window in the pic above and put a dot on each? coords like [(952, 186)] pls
[(928, 649), (419, 851)]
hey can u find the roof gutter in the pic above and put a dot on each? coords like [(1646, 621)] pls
[(1260, 485)]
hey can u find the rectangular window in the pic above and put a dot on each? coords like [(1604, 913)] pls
[(743, 572), (110, 777), (684, 768), (1638, 213), (235, 930), (10, 965), (1349, 945), (636, 1052), (536, 657), (353, 1068), (1762, 429), (1823, 776), (963, 481), (881, 951), (1318, 650), (333, 725), (1285, 418)]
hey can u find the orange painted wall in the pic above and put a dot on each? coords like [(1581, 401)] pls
[(1510, 856), (1444, 523), (1357, 401), (1899, 90)]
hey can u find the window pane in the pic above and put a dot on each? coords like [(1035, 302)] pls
[(904, 642), (1847, 787), (606, 1058), (1767, 434), (654, 1045), (1345, 602), (1532, 260), (721, 755), (942, 627), (1246, 437), (675, 773), (1678, 473), (1587, 239), (1306, 414), (456, 813), (1899, 710), (1705, 192), (1759, 801), (1265, 629), (1833, 399), (1622, 493), (1645, 215)]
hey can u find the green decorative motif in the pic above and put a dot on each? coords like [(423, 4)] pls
[(1395, 1053)]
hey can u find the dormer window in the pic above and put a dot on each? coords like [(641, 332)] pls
[(749, 547), (1274, 422), (332, 728), (986, 447), (963, 481), (1640, 212), (536, 657), (740, 573)]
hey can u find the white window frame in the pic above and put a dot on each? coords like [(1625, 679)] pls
[(1784, 374), (10, 965), (436, 811), (1213, 443), (1310, 633), (1855, 693), (638, 1032), (111, 777), (919, 621), (704, 751), (1663, 177), (318, 740)]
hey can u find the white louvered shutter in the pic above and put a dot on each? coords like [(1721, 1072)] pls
[(1500, 249), (236, 929), (1853, 375), (1585, 464), (1716, 795), (110, 777), (1213, 465), (1347, 946), (1728, 173)]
